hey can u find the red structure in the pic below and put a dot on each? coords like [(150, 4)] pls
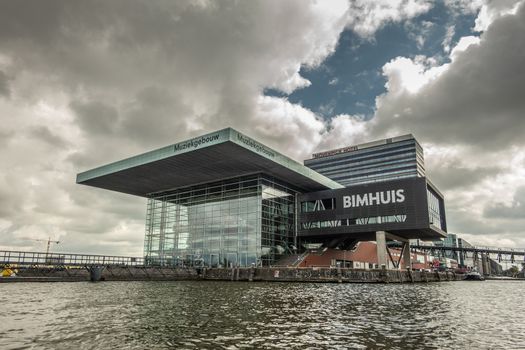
[(364, 256)]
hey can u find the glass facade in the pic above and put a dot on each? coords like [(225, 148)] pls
[(238, 222), (434, 209), (388, 160)]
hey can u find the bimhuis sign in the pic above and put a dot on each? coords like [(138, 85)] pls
[(377, 197), (395, 205), (374, 198)]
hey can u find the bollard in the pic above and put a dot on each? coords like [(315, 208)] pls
[(410, 276), (383, 274), (252, 272)]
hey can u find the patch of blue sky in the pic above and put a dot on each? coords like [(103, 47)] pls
[(349, 81)]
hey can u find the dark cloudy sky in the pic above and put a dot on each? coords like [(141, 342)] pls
[(86, 83)]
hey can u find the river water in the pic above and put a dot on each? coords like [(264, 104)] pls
[(242, 315)]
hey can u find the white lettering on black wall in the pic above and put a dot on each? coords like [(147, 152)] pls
[(374, 198)]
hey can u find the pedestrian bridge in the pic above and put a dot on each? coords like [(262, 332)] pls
[(500, 254)]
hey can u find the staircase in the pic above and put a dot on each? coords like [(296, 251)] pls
[(291, 260)]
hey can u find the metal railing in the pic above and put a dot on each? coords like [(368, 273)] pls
[(21, 258), (488, 250)]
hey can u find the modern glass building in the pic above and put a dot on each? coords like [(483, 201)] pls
[(241, 221), (388, 159), (220, 199), (224, 199)]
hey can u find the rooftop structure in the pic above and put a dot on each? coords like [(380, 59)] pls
[(221, 154)]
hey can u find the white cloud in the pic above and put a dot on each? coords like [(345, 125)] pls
[(333, 81), (447, 40), (410, 75), (366, 17), (343, 130), (287, 126), (419, 31), (465, 6), (462, 45), (494, 9)]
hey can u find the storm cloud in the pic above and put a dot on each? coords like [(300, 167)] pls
[(478, 100)]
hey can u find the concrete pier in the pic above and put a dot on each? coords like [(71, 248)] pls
[(249, 274)]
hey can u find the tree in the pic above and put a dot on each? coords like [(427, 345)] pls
[(513, 271)]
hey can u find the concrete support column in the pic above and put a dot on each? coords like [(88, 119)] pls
[(478, 263), (382, 258), (485, 263), (407, 258)]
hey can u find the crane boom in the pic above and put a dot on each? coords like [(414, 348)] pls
[(49, 241)]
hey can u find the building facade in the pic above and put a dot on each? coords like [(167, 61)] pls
[(383, 160), (240, 221), (358, 212), (225, 199)]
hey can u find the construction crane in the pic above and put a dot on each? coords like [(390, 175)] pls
[(49, 241)]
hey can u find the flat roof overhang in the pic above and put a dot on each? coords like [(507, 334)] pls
[(215, 156)]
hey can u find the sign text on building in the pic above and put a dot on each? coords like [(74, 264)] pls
[(194, 143), (374, 198), (335, 151)]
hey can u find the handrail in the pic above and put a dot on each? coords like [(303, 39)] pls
[(300, 258), (490, 250), (22, 258)]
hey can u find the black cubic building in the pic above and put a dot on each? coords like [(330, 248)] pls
[(225, 199), (400, 207)]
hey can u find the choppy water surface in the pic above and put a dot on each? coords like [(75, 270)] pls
[(178, 315)]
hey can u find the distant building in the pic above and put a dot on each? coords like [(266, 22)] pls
[(388, 159), (452, 240)]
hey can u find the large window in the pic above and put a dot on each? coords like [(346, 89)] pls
[(238, 222), (318, 205), (434, 211)]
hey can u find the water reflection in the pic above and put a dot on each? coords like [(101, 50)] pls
[(163, 315)]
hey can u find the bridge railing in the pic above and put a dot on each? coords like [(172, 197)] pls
[(488, 250), (500, 249), (21, 258)]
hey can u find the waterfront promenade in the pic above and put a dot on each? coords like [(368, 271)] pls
[(275, 274), (55, 267)]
